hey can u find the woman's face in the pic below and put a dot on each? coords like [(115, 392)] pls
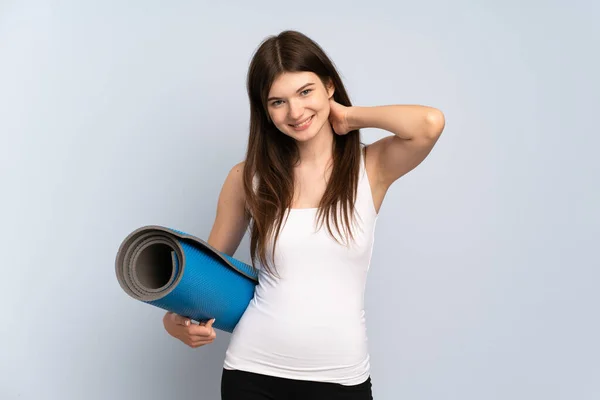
[(298, 104)]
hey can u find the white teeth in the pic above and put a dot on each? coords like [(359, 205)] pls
[(302, 124)]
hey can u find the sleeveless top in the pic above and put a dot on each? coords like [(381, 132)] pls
[(307, 322)]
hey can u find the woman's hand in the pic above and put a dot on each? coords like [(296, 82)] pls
[(194, 335), (338, 117)]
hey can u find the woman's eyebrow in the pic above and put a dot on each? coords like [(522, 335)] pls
[(297, 91)]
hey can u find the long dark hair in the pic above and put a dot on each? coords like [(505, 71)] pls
[(271, 154)]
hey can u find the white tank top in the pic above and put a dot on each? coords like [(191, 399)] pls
[(308, 322)]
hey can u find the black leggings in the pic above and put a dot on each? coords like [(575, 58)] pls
[(242, 385)]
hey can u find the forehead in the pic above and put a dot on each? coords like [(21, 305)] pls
[(288, 82)]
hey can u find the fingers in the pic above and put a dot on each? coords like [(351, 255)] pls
[(196, 335), (180, 320), (193, 335), (201, 342), (208, 323), (204, 330)]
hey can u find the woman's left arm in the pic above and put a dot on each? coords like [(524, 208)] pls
[(415, 130)]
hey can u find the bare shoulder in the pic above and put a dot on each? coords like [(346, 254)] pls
[(236, 174), (231, 220), (238, 168), (233, 187)]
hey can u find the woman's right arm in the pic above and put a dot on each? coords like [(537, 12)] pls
[(226, 234), (231, 220)]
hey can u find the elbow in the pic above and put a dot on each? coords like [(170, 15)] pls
[(434, 124)]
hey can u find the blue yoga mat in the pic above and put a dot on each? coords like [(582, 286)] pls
[(181, 273)]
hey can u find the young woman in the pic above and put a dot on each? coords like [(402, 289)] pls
[(310, 193)]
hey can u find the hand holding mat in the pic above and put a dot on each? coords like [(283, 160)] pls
[(181, 273), (191, 334)]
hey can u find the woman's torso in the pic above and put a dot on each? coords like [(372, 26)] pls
[(308, 321)]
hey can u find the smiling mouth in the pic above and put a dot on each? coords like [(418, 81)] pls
[(300, 125)]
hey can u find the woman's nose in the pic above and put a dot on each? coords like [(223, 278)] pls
[(295, 111)]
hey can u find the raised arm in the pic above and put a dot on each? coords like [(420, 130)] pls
[(415, 129)]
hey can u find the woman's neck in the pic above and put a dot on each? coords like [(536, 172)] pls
[(318, 150)]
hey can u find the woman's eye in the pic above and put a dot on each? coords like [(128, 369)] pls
[(303, 93)]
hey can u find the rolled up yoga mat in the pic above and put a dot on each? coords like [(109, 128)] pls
[(178, 272)]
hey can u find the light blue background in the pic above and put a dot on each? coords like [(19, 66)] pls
[(484, 280)]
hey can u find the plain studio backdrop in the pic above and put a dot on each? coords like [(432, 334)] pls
[(484, 278)]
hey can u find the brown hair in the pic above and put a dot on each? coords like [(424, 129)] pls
[(271, 154)]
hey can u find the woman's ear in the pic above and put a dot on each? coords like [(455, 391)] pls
[(330, 88)]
